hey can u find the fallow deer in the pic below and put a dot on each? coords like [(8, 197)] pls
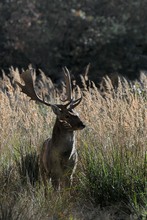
[(58, 157)]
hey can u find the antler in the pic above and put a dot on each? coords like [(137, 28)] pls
[(28, 88), (72, 103), (29, 78), (76, 102), (68, 85)]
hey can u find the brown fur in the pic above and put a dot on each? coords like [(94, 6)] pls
[(58, 158)]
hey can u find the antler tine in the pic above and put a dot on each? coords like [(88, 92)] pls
[(68, 85), (72, 103), (29, 78), (76, 102)]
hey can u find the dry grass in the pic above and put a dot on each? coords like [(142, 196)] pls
[(112, 145)]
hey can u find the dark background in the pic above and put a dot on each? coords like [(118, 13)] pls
[(111, 35)]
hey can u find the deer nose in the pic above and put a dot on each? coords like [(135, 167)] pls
[(81, 125), (84, 126)]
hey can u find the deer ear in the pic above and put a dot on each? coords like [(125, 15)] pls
[(56, 109)]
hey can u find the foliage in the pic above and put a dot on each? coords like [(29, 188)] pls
[(107, 34)]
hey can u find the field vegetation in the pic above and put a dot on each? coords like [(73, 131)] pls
[(110, 181)]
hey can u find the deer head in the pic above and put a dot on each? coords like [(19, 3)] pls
[(64, 112)]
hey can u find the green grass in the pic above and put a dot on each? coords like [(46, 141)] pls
[(117, 177)]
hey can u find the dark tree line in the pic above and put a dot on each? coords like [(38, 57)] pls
[(110, 35)]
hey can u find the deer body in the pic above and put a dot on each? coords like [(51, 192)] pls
[(58, 157), (57, 162)]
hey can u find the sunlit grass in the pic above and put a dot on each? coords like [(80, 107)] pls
[(110, 181)]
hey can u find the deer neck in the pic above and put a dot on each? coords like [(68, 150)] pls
[(62, 136)]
